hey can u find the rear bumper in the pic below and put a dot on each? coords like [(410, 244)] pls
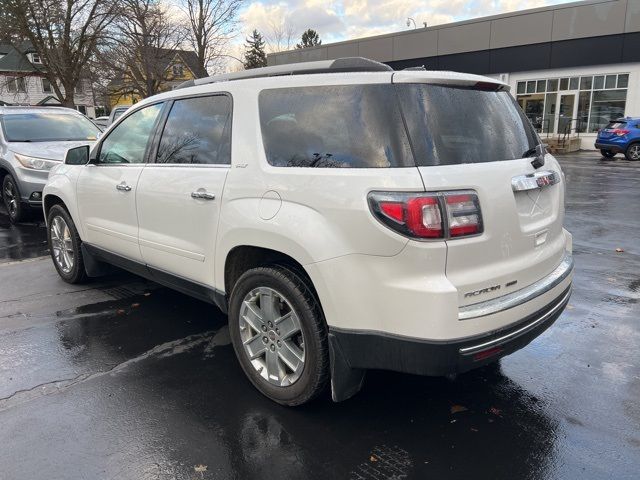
[(355, 351), (612, 147), (422, 357)]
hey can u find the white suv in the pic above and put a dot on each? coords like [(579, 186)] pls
[(346, 216)]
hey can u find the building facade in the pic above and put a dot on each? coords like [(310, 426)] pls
[(572, 67), (23, 83), (174, 68)]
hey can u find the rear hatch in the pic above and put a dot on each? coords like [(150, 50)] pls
[(613, 129), (473, 136)]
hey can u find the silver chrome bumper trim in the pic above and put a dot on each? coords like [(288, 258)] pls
[(510, 336), (519, 297)]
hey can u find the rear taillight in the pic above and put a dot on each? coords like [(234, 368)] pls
[(620, 132), (436, 215)]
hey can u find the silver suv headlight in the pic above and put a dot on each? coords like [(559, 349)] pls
[(36, 163)]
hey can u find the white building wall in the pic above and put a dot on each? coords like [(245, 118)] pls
[(632, 107), (35, 93)]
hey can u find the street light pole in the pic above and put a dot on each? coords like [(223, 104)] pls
[(409, 21)]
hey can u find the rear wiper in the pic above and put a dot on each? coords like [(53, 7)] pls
[(539, 152)]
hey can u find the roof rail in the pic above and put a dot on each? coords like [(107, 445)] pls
[(347, 64)]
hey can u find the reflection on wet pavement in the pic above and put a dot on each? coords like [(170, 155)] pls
[(144, 384), (19, 242)]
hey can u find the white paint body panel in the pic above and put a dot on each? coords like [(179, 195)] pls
[(177, 233), (108, 216)]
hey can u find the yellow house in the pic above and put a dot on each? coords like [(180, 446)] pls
[(175, 67)]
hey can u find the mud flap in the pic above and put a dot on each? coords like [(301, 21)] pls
[(345, 381), (93, 266)]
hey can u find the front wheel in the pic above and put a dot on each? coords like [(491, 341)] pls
[(64, 245), (633, 152), (12, 201), (279, 334), (607, 153)]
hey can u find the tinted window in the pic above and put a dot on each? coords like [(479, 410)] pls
[(197, 131), (353, 126), (127, 142), (47, 127), (450, 125)]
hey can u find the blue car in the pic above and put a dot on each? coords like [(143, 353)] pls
[(620, 136)]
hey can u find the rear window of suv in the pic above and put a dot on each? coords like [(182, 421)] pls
[(345, 126), (451, 125)]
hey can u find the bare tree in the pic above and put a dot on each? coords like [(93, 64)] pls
[(140, 51), (280, 35), (212, 23), (65, 34)]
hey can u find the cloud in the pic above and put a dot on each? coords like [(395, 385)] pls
[(337, 20)]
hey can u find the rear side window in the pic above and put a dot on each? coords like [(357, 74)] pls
[(346, 126), (451, 125), (197, 131)]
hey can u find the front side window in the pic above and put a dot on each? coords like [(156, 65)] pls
[(47, 127), (197, 131), (127, 142), (344, 126), (452, 125)]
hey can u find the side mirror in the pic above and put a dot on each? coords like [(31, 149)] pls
[(77, 156)]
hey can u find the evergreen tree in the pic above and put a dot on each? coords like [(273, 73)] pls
[(254, 56), (310, 38)]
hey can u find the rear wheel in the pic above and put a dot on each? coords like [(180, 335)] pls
[(64, 244), (279, 335), (12, 201), (607, 153), (633, 152)]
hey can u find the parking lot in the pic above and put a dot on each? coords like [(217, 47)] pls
[(122, 378)]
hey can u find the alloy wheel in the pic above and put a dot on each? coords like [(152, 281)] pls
[(61, 244), (634, 152), (272, 337), (11, 198)]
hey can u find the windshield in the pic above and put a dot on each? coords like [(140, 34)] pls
[(47, 127), (452, 125)]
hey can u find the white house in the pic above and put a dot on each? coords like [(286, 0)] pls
[(23, 83)]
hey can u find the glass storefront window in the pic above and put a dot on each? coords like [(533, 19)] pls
[(623, 80), (598, 82), (551, 103), (584, 101), (607, 105)]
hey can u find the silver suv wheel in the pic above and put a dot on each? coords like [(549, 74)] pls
[(61, 244), (11, 198), (272, 336)]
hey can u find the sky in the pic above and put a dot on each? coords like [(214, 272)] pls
[(337, 20)]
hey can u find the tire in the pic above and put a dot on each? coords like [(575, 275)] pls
[(633, 152), (65, 245), (12, 200), (607, 153), (260, 296)]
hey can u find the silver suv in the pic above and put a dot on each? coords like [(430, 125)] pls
[(32, 141)]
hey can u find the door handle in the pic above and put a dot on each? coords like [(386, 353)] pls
[(200, 194), (123, 187)]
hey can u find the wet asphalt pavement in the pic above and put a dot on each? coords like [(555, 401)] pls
[(123, 379)]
